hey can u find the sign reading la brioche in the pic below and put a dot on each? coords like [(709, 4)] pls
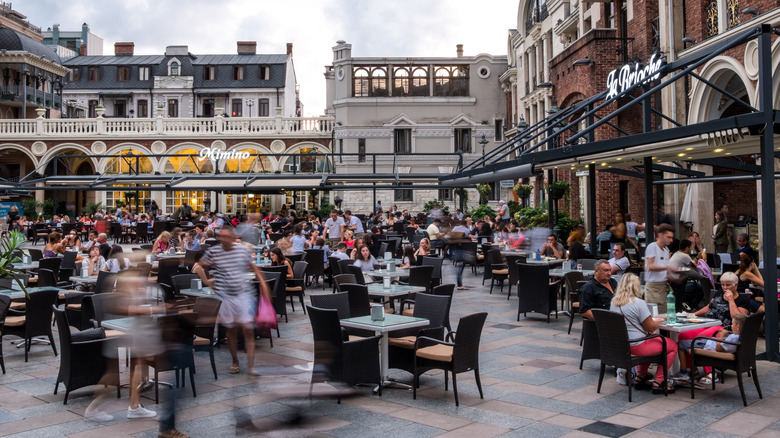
[(621, 80)]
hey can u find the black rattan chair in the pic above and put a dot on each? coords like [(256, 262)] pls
[(5, 304), (741, 361), (570, 280), (616, 346), (34, 321), (342, 279), (338, 302), (460, 353), (207, 309), (514, 275), (84, 361), (499, 271), (278, 295), (359, 303), (434, 308), (316, 268), (339, 360), (535, 292), (176, 329), (296, 286)]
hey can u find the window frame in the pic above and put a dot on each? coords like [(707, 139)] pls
[(361, 150), (142, 108), (459, 134), (236, 104), (75, 74), (92, 108), (263, 107), (407, 141), (451, 80), (403, 195), (209, 73), (264, 73), (144, 72), (239, 73), (375, 82), (173, 108), (93, 74), (123, 73)]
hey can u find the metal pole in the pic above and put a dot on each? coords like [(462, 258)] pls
[(373, 205), (54, 193), (769, 238), (592, 208), (649, 219)]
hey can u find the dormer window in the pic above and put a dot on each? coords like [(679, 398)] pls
[(174, 67)]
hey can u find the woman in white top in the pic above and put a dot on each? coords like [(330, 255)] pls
[(116, 262), (365, 261), (640, 323), (95, 261)]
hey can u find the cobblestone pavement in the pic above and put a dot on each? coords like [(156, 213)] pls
[(530, 372)]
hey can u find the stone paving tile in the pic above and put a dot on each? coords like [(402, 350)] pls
[(742, 424), (474, 429), (538, 430)]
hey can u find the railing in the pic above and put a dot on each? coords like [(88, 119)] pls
[(223, 126)]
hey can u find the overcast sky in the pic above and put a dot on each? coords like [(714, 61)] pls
[(374, 28)]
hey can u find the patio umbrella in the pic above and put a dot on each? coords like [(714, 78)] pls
[(691, 194)]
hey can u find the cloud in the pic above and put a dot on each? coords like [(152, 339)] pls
[(375, 29)]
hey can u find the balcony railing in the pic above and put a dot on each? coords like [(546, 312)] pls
[(171, 127)]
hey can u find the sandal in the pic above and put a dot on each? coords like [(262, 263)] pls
[(707, 380), (233, 370), (641, 383), (659, 389), (462, 288)]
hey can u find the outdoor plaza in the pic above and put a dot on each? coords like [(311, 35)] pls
[(529, 373)]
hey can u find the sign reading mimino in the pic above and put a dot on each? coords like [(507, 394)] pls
[(218, 154), (622, 79)]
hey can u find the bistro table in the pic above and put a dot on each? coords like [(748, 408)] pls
[(390, 323), (90, 279), (395, 290), (684, 324), (205, 291), (560, 272), (18, 294), (544, 261), (398, 273), (26, 266)]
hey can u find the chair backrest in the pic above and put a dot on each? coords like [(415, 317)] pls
[(182, 281), (5, 304), (168, 292), (177, 329), (189, 257), (358, 273), (333, 263), (495, 257), (588, 264), (713, 260), (104, 306), (342, 279), (38, 309), (338, 301), (511, 263), (382, 249), (571, 278), (343, 265), (68, 227), (604, 247), (328, 341), (157, 228), (141, 230), (421, 275), (105, 282), (437, 263), (63, 328), (35, 254), (410, 233), (316, 260), (144, 269), (166, 268), (50, 263), (746, 351), (295, 257), (359, 304), (278, 294), (207, 309), (444, 289), (534, 278), (68, 260), (299, 269), (613, 338), (274, 236), (730, 267), (434, 308), (276, 226), (46, 278), (465, 353)]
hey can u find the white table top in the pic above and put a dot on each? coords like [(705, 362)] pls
[(683, 324), (395, 290), (390, 323), (26, 266), (205, 291), (385, 273), (561, 272), (79, 279), (544, 262)]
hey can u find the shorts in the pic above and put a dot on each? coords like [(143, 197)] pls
[(237, 310)]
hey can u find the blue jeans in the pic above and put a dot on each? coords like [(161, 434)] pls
[(457, 255)]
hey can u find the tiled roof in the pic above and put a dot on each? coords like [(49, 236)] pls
[(12, 41)]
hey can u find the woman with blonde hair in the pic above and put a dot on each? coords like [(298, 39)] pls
[(162, 244), (640, 323)]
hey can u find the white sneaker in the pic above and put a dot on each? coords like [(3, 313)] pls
[(99, 416), (140, 412)]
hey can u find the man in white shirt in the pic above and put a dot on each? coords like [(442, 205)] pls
[(333, 228), (657, 266), (619, 262), (341, 252), (502, 214)]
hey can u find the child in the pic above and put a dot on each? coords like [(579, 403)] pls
[(708, 344)]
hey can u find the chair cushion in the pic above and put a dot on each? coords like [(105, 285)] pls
[(700, 352), (200, 341), (114, 333), (355, 338), (14, 321), (391, 311), (403, 342), (480, 257), (408, 312), (294, 289), (74, 306), (439, 352), (500, 271), (19, 305)]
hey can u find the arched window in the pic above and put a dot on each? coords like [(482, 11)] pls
[(369, 81), (124, 163), (188, 161), (173, 68), (451, 80), (401, 83), (255, 163), (309, 161), (420, 82)]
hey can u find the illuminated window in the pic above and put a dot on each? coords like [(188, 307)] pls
[(188, 161), (124, 163), (255, 163), (194, 198)]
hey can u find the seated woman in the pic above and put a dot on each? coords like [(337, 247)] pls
[(162, 244), (349, 238), (407, 258), (424, 249), (278, 259), (748, 273), (723, 306), (72, 240), (116, 262), (365, 261), (640, 323), (55, 247), (94, 262)]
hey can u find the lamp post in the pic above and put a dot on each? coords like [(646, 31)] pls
[(552, 205), (483, 141), (250, 103)]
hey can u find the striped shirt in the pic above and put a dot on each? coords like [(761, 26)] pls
[(229, 269)]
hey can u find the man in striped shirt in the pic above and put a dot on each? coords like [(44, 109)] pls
[(228, 264)]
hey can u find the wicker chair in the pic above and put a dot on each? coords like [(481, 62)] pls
[(359, 303), (278, 295), (177, 329), (616, 347), (207, 309), (743, 360), (460, 353), (498, 269), (316, 268), (536, 293), (339, 360), (34, 321), (514, 275), (296, 286), (338, 302), (434, 308), (84, 362), (358, 273), (570, 280), (5, 304), (340, 279), (436, 263)]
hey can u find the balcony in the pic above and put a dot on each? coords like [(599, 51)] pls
[(29, 129)]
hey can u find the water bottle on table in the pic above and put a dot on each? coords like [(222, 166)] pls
[(671, 311)]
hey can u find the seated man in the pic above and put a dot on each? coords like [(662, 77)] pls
[(552, 248), (619, 262), (598, 291), (434, 234)]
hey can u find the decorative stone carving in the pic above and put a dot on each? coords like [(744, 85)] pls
[(277, 146), (98, 148), (751, 59), (433, 133), (364, 133), (158, 147), (38, 148), (218, 144)]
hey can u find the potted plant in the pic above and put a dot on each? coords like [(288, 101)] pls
[(558, 190), (30, 208), (484, 192), (92, 207), (10, 245), (523, 191), (100, 110), (41, 111), (463, 195)]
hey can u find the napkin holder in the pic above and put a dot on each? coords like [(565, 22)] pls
[(26, 259), (196, 284), (386, 282), (391, 267), (377, 312), (388, 256)]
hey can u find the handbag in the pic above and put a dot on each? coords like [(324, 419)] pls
[(266, 314), (641, 330)]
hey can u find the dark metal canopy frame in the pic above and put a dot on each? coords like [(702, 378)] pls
[(539, 146)]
